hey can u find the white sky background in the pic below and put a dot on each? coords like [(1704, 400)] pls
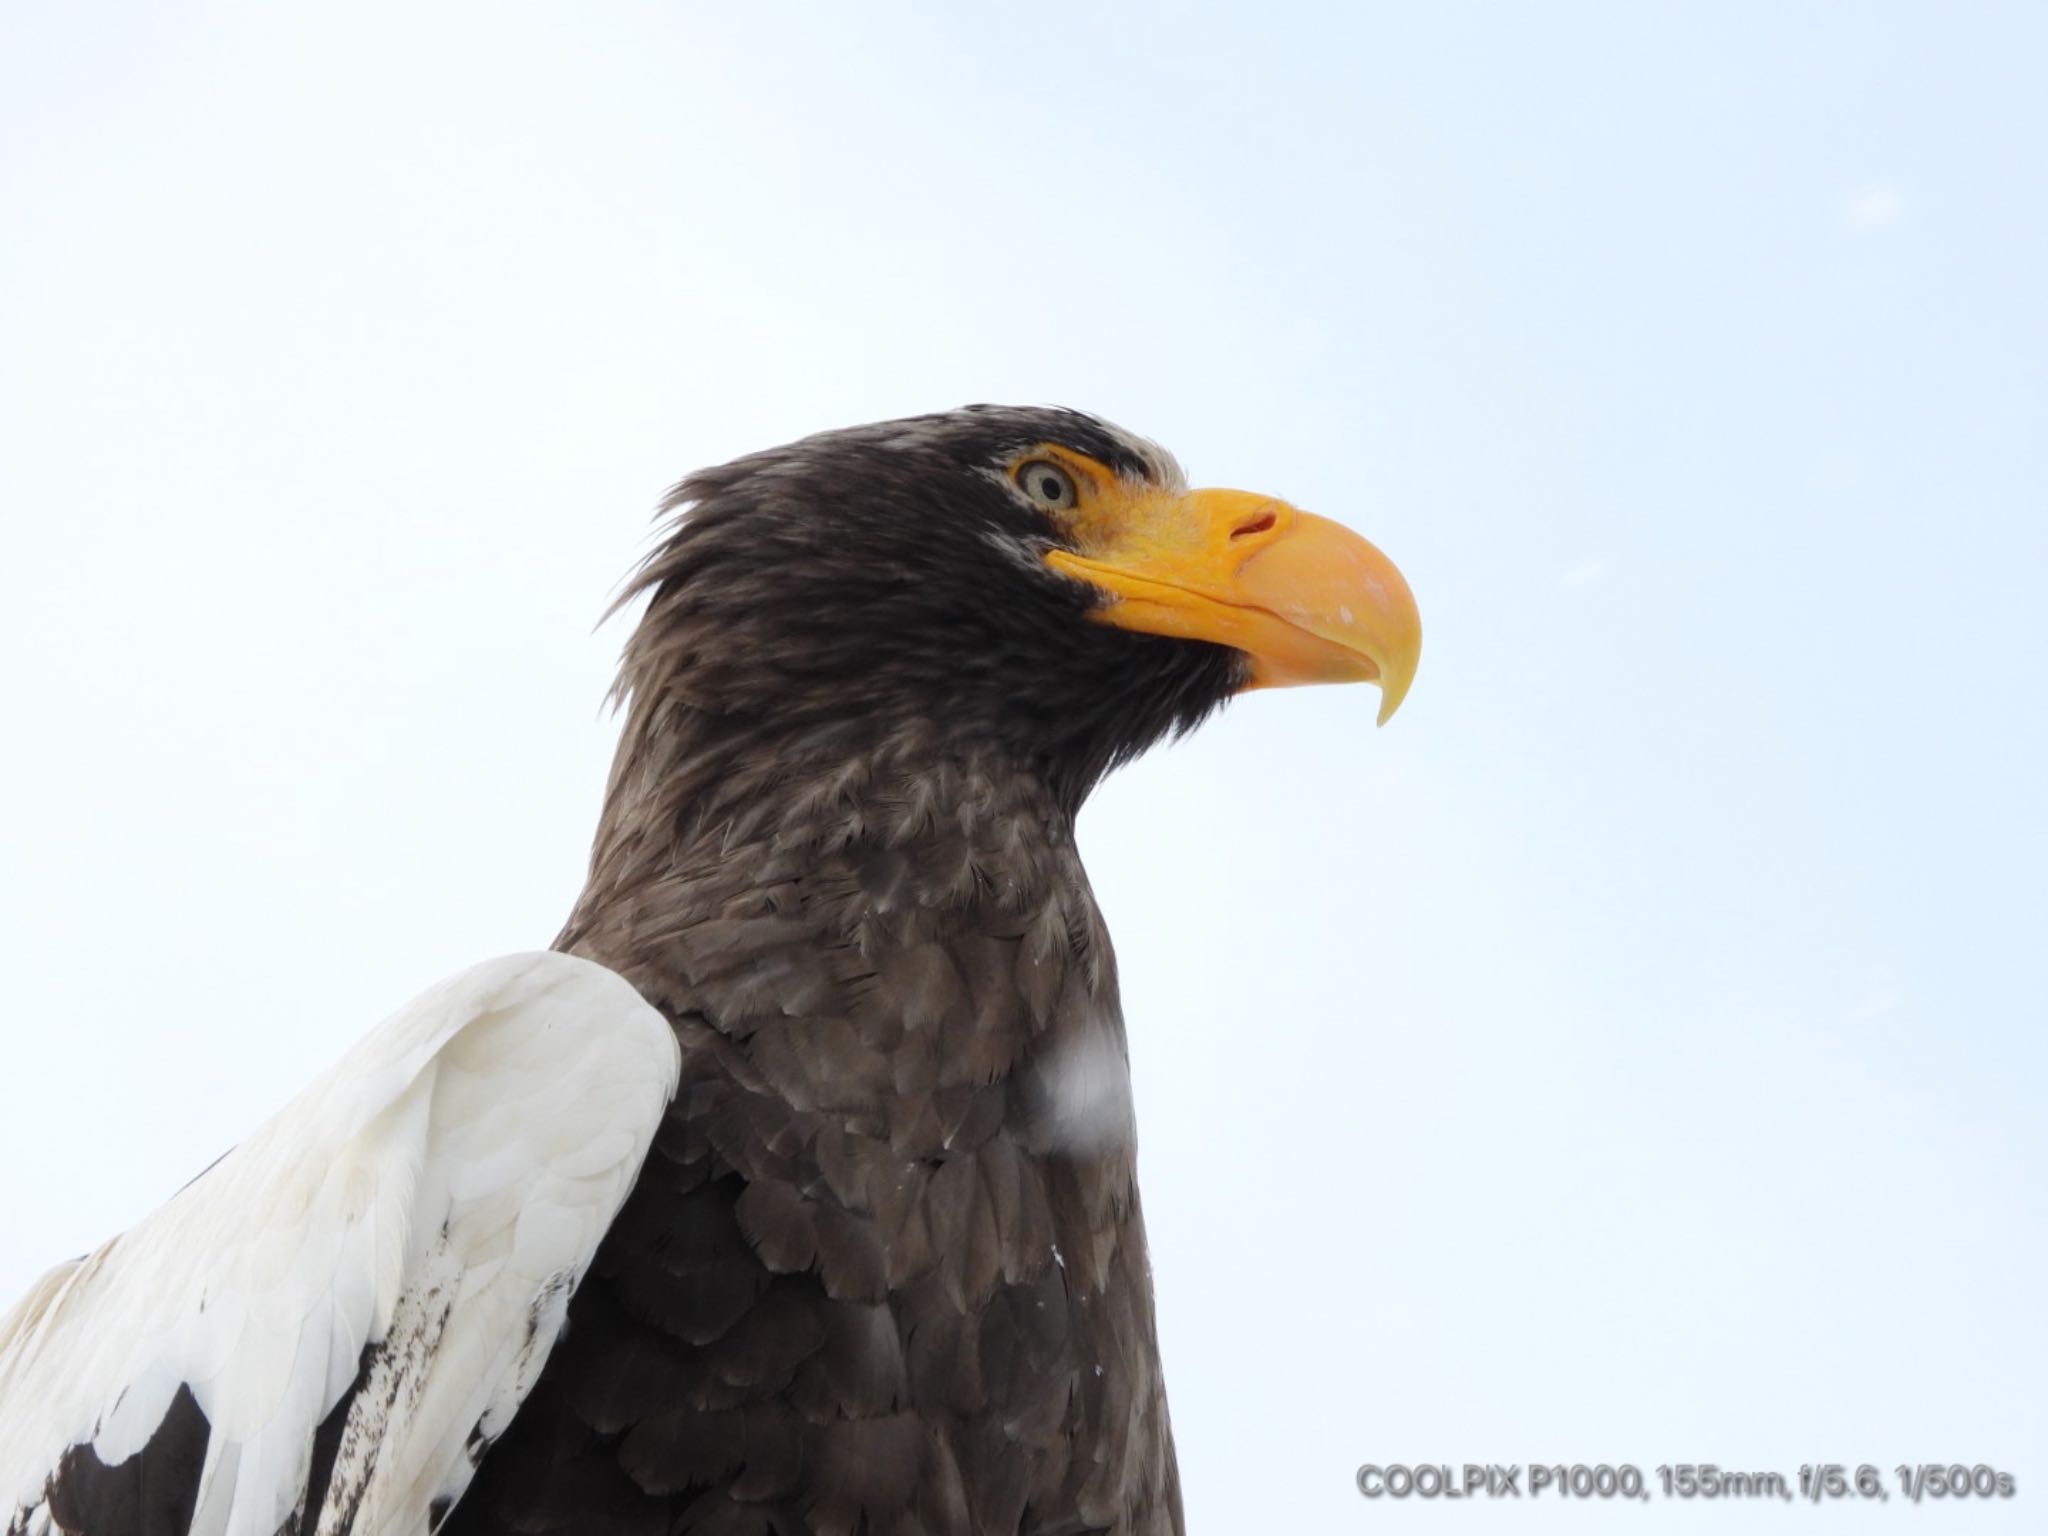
[(1634, 1053)]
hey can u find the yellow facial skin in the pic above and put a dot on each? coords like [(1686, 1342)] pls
[(1307, 599)]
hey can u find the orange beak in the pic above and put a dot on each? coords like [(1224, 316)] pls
[(1307, 599)]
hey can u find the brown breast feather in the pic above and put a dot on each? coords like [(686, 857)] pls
[(885, 1270)]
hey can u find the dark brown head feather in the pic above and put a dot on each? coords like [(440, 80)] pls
[(814, 598)]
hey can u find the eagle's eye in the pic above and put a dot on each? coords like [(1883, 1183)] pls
[(1047, 484)]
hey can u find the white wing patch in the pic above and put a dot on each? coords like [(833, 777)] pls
[(434, 1198)]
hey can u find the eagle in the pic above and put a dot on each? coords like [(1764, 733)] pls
[(793, 1190)]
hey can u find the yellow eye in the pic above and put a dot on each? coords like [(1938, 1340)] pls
[(1047, 484)]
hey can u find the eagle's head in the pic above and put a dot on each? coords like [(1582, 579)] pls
[(1034, 581)]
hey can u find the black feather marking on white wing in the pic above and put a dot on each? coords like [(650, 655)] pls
[(308, 1337)]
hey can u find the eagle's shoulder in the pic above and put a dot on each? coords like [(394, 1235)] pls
[(329, 1322)]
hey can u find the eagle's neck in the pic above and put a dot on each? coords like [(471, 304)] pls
[(917, 887), (702, 809), (904, 1074)]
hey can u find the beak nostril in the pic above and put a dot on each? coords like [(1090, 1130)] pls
[(1258, 524)]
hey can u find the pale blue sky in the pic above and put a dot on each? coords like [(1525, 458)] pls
[(1632, 1053)]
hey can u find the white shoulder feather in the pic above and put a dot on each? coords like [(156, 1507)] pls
[(434, 1198)]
